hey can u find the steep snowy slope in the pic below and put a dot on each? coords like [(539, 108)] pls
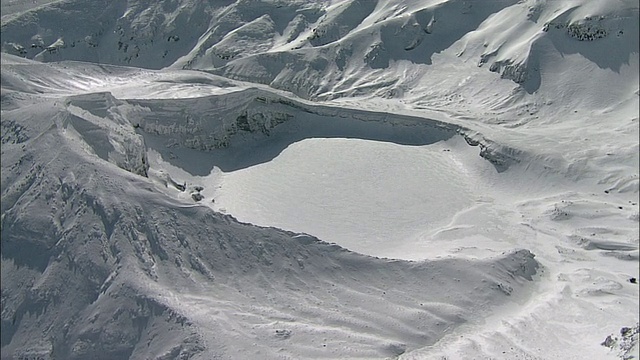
[(455, 133), (322, 50)]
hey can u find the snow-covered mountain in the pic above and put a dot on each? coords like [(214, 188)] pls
[(320, 179)]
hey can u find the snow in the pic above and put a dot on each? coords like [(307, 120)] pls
[(370, 197), (308, 179)]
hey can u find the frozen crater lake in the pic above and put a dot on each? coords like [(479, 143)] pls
[(374, 197)]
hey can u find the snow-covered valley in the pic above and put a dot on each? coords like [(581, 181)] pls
[(320, 179)]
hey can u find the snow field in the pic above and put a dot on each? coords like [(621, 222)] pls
[(100, 262)]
